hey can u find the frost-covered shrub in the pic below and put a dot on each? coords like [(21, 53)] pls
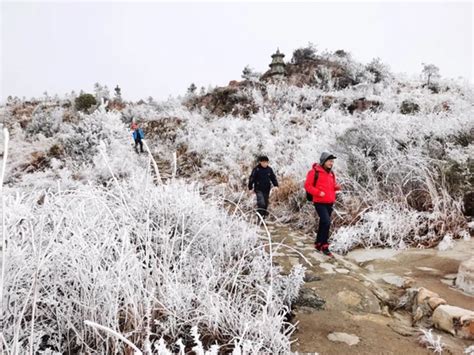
[(81, 141), (379, 70), (409, 108), (303, 54), (418, 162), (45, 122), (84, 102), (145, 261), (363, 147)]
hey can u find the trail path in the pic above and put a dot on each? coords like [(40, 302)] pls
[(360, 290)]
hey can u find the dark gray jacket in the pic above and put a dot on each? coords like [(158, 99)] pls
[(261, 179)]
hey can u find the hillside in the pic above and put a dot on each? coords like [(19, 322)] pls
[(162, 246)]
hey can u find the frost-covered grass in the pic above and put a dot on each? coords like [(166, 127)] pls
[(431, 342), (395, 169), (145, 261), (404, 176)]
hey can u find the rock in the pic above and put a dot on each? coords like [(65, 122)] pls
[(424, 294), (408, 283), (342, 271), (428, 269), (418, 315), (455, 320), (311, 277), (365, 255), (309, 298), (294, 261), (349, 298), (467, 330), (328, 267), (386, 311), (317, 257), (349, 339), (465, 278), (381, 294), (434, 302), (394, 280)]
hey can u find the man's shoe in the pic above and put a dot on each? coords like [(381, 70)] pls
[(317, 246), (326, 251)]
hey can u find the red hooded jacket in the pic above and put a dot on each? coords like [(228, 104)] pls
[(326, 184)]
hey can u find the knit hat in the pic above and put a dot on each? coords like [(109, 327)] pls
[(324, 157)]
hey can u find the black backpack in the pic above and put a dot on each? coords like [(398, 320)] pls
[(309, 197)]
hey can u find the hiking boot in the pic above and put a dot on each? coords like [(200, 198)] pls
[(326, 251), (317, 246)]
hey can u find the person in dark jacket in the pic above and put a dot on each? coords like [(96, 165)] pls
[(321, 185), (138, 135), (261, 181)]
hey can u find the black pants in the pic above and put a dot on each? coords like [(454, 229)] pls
[(137, 142), (324, 211), (262, 202)]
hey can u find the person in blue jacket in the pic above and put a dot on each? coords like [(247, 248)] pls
[(261, 181), (138, 135)]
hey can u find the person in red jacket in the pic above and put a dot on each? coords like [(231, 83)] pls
[(321, 185)]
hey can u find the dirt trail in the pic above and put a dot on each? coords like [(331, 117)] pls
[(359, 290)]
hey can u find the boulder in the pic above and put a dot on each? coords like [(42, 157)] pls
[(424, 295), (434, 302), (455, 320), (465, 278)]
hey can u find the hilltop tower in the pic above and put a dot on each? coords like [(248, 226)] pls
[(277, 66)]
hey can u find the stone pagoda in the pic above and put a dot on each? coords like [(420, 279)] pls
[(277, 66)]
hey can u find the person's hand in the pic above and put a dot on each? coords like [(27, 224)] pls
[(322, 194)]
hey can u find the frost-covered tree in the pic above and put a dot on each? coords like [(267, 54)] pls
[(101, 92), (341, 53), (85, 101), (250, 74), (430, 73), (323, 78), (303, 54), (118, 94), (191, 89), (379, 70), (151, 100)]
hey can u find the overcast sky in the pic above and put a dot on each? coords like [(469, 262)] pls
[(158, 49)]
